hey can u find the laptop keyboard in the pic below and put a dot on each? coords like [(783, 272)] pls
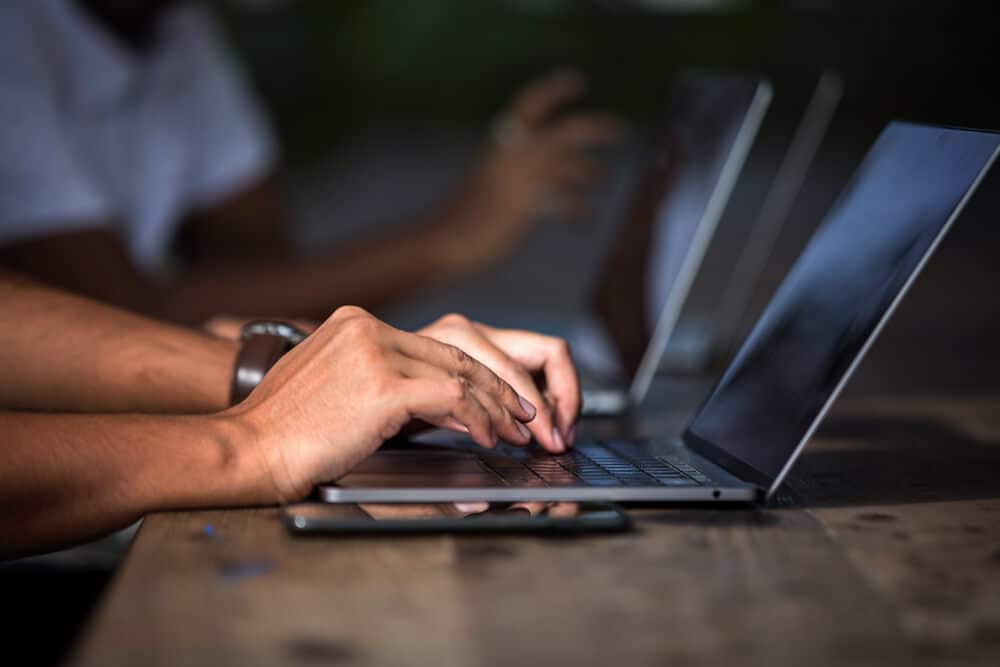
[(594, 464)]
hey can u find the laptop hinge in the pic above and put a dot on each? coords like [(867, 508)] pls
[(721, 458)]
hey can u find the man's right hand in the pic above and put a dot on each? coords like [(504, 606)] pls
[(355, 382)]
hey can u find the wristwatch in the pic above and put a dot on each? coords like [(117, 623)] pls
[(262, 343)]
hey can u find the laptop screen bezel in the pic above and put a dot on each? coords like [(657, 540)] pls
[(743, 470)]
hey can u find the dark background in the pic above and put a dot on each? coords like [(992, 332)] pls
[(380, 105)]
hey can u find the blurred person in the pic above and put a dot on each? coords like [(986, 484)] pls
[(107, 415), (139, 169)]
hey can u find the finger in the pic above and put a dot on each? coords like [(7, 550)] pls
[(433, 400), (564, 510), (457, 362), (553, 358), (502, 422), (585, 131), (536, 103), (543, 426), (468, 337), (418, 426), (386, 511), (465, 509), (533, 508)]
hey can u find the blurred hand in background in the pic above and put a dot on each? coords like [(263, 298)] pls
[(543, 163)]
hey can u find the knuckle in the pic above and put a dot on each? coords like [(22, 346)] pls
[(560, 347), (503, 388), (347, 312), (360, 326), (455, 389), (459, 357), (455, 320)]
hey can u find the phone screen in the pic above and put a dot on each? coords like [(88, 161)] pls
[(307, 518)]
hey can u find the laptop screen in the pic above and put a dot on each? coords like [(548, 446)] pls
[(672, 213), (831, 303), (706, 116)]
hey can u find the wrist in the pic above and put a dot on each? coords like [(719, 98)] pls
[(199, 461), (247, 466)]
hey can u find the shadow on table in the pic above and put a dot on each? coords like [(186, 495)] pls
[(863, 461), (877, 460)]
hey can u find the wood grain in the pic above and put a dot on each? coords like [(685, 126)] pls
[(884, 551)]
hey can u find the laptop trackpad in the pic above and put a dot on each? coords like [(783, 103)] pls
[(420, 467)]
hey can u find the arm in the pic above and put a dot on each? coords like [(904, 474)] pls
[(66, 353), (240, 259), (620, 298), (325, 406), (375, 271), (65, 479)]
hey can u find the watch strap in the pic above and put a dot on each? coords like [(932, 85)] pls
[(262, 344)]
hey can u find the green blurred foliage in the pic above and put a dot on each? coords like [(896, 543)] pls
[(333, 68), (330, 69)]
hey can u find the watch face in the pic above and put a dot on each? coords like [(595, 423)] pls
[(289, 332)]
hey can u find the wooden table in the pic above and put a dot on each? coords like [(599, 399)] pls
[(885, 550)]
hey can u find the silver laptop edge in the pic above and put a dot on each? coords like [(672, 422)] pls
[(881, 323), (727, 493), (728, 177), (777, 205)]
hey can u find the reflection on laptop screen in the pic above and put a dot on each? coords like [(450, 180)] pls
[(873, 240), (706, 115), (671, 215)]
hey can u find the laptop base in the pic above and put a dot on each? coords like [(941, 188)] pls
[(620, 470)]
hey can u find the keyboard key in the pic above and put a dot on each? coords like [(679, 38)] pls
[(604, 482)]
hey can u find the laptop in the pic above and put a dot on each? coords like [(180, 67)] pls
[(723, 295), (810, 338), (711, 125)]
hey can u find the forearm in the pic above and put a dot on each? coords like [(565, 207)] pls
[(100, 473), (67, 353), (372, 273)]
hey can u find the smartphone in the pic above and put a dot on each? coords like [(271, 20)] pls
[(327, 518)]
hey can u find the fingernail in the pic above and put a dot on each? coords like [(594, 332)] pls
[(528, 408), (525, 433), (571, 435), (472, 508), (558, 439)]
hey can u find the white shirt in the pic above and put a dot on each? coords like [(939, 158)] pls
[(94, 133)]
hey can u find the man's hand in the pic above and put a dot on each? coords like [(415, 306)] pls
[(515, 356), (354, 383), (540, 165)]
